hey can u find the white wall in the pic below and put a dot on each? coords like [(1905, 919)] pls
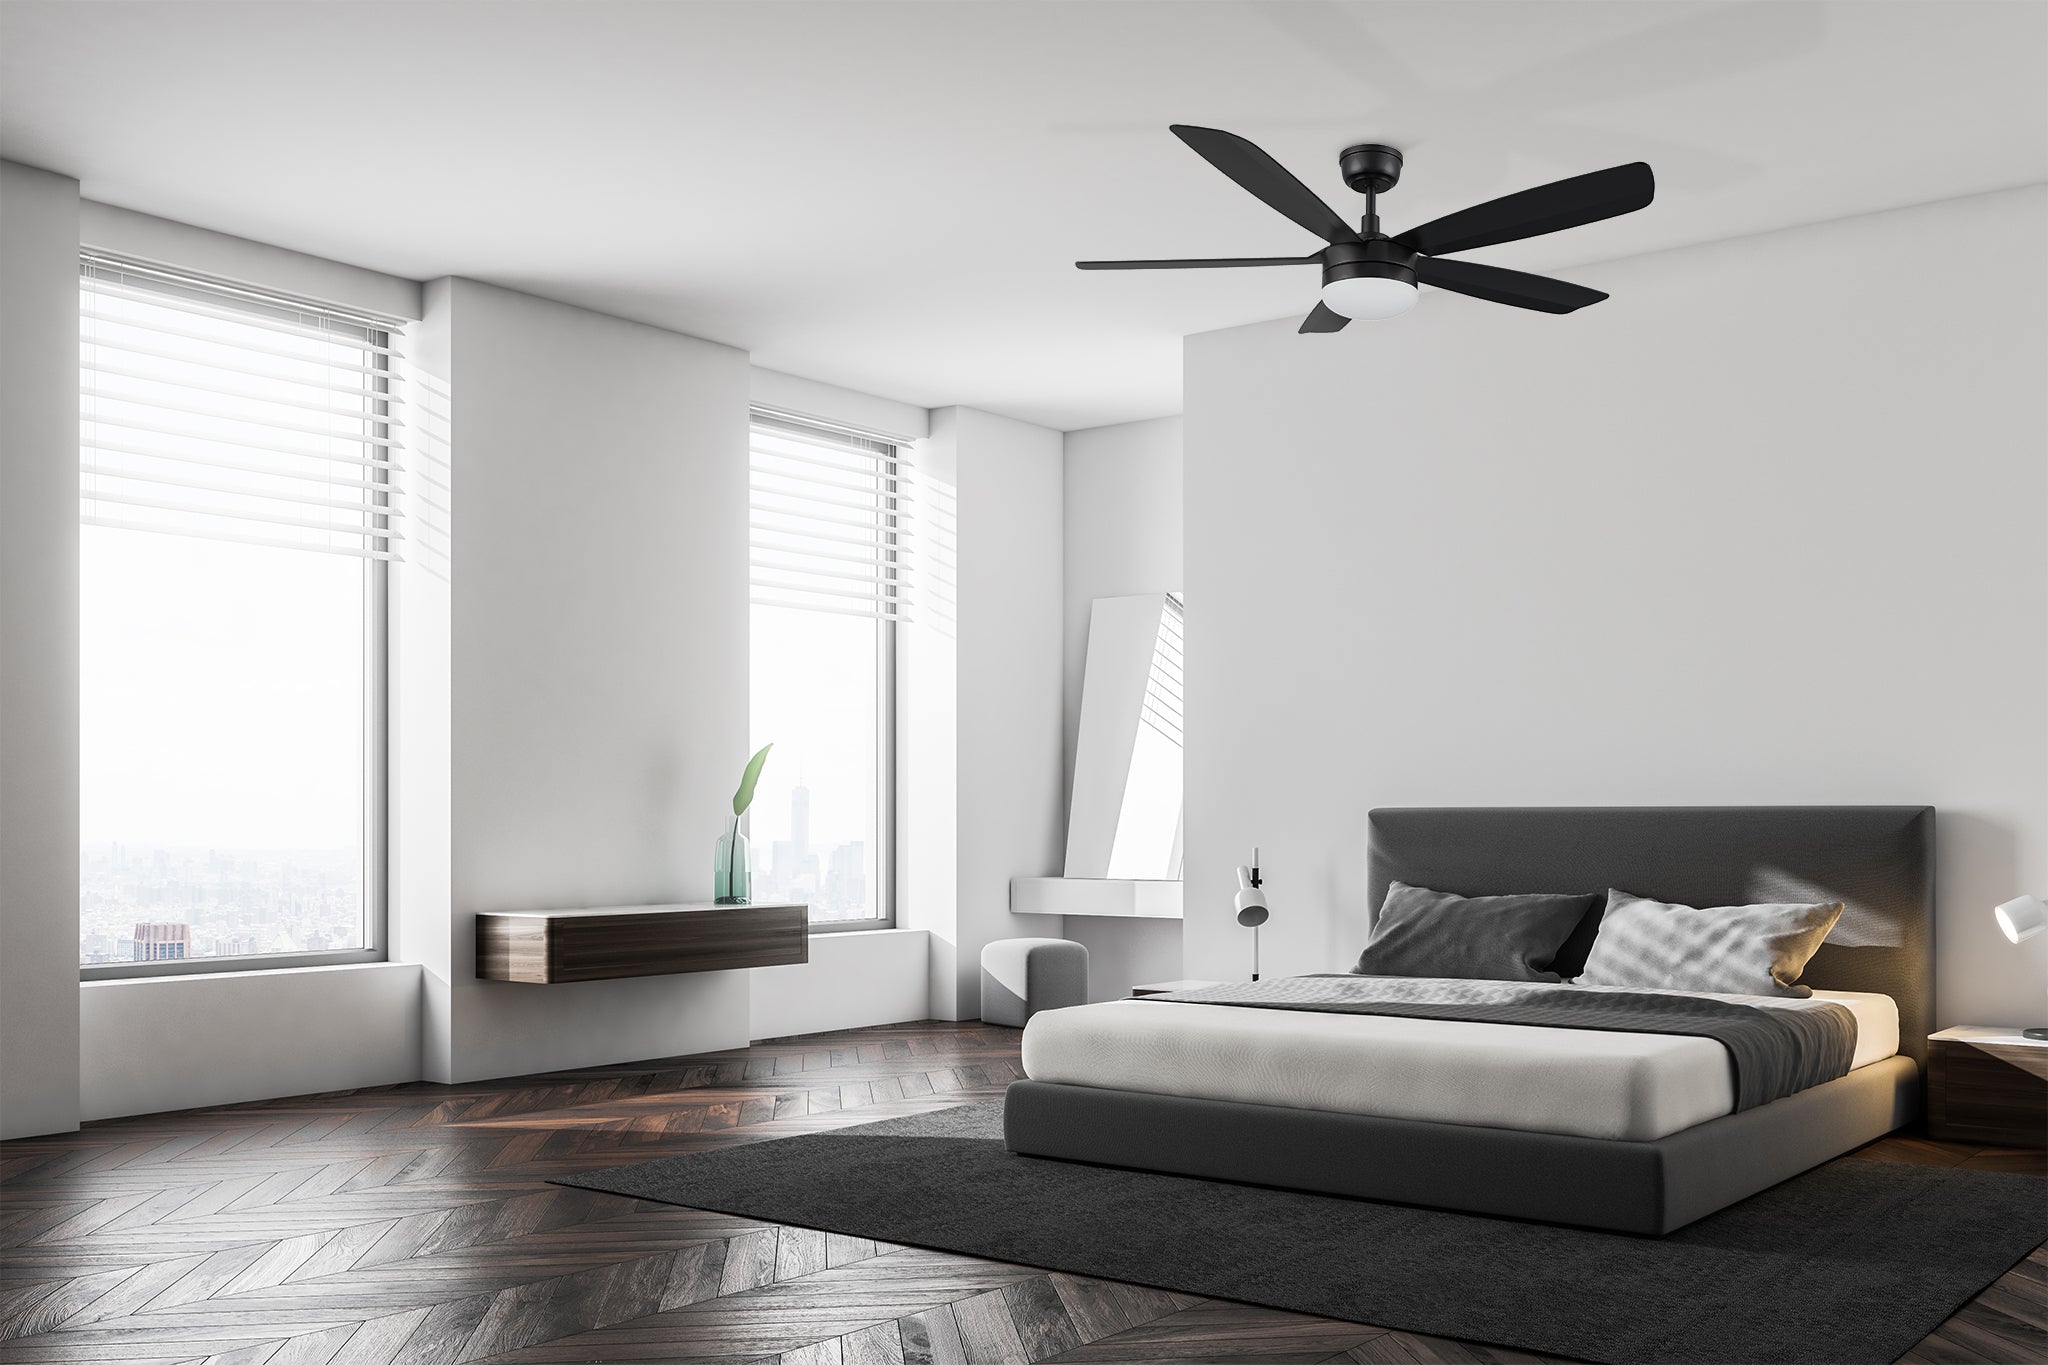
[(420, 689), (1121, 523), (1009, 656), (599, 646), (928, 720), (854, 979), (38, 651), (1765, 527), (978, 771), (174, 1042)]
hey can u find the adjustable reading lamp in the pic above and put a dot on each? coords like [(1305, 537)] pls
[(2021, 919), (1251, 905)]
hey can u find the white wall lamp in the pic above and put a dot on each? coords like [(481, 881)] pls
[(2020, 919), (1251, 905)]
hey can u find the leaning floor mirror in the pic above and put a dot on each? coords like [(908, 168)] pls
[(1124, 819)]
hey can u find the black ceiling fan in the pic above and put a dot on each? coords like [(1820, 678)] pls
[(1367, 274)]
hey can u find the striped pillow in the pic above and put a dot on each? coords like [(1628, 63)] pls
[(1725, 950)]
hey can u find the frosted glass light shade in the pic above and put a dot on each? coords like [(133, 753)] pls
[(2021, 919), (1369, 296)]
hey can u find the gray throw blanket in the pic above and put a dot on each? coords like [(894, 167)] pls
[(1776, 1050)]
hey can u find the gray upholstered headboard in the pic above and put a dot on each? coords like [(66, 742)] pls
[(1877, 860)]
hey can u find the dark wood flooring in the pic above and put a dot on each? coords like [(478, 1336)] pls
[(414, 1223)]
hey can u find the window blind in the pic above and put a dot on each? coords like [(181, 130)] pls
[(219, 412), (827, 512)]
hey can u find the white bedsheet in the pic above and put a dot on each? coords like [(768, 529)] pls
[(1633, 1086)]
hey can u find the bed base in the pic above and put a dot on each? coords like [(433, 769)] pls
[(1644, 1187)]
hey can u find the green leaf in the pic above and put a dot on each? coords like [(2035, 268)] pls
[(744, 797)]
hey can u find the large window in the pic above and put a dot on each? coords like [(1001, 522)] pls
[(829, 575), (237, 458)]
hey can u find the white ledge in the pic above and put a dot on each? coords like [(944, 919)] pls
[(816, 932), (1100, 897)]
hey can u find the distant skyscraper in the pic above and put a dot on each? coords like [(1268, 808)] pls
[(846, 880), (161, 942), (792, 867)]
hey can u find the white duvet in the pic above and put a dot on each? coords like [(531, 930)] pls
[(1633, 1086)]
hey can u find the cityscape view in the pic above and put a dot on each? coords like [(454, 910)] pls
[(832, 880), (139, 903), (816, 829)]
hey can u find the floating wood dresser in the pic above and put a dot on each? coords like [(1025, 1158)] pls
[(543, 947)]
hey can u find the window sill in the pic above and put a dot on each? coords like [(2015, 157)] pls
[(817, 933), (246, 973), (227, 966)]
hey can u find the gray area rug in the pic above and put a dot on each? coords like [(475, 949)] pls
[(1853, 1262)]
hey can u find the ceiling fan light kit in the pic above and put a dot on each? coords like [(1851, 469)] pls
[(1368, 274), (1374, 279)]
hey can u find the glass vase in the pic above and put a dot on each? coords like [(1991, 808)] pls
[(732, 873)]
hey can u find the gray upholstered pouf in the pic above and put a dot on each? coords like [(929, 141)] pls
[(1021, 976)]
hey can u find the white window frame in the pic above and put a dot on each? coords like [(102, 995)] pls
[(887, 629), (376, 734)]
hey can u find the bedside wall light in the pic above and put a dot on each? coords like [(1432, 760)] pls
[(1251, 905), (2020, 919)]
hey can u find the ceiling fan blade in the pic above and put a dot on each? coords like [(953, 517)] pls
[(1222, 263), (1512, 287), (1323, 320), (1531, 213), (1272, 182)]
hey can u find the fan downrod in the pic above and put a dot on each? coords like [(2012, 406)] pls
[(1371, 167)]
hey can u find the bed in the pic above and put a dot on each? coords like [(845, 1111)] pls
[(1633, 1132)]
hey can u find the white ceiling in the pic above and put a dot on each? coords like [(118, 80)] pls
[(889, 196)]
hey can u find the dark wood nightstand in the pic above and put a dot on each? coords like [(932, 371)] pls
[(1987, 1085)]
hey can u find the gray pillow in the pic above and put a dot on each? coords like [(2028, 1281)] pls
[(1489, 938), (1725, 950)]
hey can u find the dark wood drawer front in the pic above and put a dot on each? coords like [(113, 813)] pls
[(1973, 1096), (546, 950)]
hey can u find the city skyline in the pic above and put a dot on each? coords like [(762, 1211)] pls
[(832, 879), (233, 902), (815, 689)]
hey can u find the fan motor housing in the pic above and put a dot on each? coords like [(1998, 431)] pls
[(1375, 257), (1371, 167)]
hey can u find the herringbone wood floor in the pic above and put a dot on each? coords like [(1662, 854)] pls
[(414, 1223)]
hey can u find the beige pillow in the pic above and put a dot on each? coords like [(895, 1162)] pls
[(1722, 950)]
